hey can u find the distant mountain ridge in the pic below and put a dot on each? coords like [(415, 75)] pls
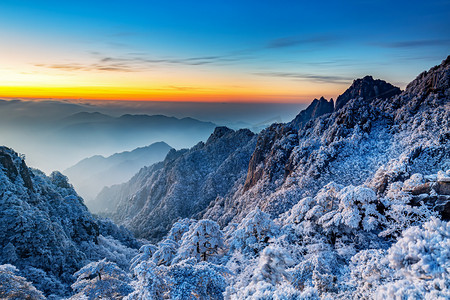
[(69, 139), (91, 174)]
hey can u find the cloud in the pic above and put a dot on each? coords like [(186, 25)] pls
[(138, 63), (292, 41), (191, 61), (414, 43), (309, 77), (89, 67)]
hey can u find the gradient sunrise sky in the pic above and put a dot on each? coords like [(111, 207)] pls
[(269, 51)]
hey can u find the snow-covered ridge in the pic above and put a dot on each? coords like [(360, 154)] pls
[(46, 231), (349, 146)]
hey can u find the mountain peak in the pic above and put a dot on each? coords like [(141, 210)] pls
[(368, 89), (316, 109), (219, 132), (434, 81)]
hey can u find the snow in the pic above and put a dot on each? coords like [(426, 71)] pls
[(351, 205)]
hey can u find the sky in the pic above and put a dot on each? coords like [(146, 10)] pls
[(214, 51)]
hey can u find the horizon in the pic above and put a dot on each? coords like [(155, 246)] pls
[(252, 52)]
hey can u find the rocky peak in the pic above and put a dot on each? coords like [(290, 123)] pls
[(15, 166), (434, 81), (368, 89), (218, 133), (316, 109)]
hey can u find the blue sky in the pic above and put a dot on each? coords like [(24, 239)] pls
[(243, 50)]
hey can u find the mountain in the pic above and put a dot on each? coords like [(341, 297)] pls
[(316, 109), (47, 232), (364, 138), (367, 89), (91, 174), (352, 203), (57, 143), (183, 185), (373, 128)]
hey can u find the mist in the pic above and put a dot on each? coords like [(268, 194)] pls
[(56, 134)]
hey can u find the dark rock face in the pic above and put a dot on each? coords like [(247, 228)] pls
[(279, 140), (14, 169), (434, 81), (316, 109), (368, 89), (218, 133), (276, 141), (434, 193)]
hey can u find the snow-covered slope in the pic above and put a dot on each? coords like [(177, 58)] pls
[(91, 174), (183, 185), (366, 136), (47, 232)]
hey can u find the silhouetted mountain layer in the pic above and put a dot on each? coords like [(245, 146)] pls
[(90, 175), (58, 143)]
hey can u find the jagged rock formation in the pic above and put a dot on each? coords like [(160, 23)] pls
[(45, 229), (183, 185), (278, 141), (316, 109), (368, 89)]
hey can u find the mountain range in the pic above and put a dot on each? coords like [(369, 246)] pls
[(373, 128), (60, 142), (91, 174), (348, 201)]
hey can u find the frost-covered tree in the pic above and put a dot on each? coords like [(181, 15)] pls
[(101, 279), (203, 242), (13, 286), (318, 268), (421, 262), (356, 208), (368, 270), (272, 266), (191, 280), (253, 233), (270, 279), (179, 228), (145, 254), (149, 283), (167, 250), (400, 212)]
